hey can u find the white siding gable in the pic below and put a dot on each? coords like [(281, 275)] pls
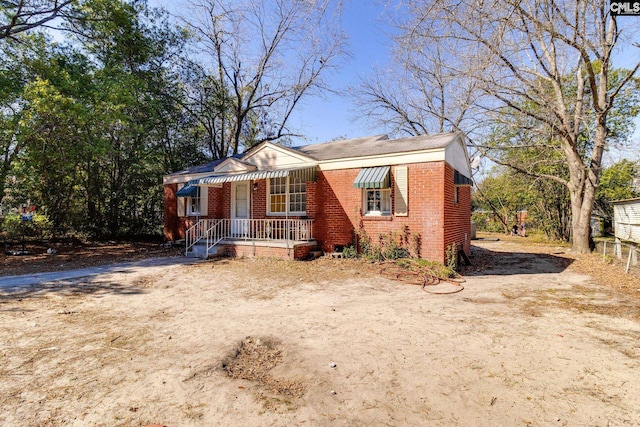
[(456, 155), (233, 166), (271, 156)]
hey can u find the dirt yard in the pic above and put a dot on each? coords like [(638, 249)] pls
[(76, 254), (529, 341)]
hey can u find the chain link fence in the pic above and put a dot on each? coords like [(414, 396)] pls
[(624, 255)]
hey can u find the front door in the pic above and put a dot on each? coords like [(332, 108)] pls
[(240, 209)]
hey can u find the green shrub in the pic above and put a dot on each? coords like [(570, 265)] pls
[(389, 246), (435, 268), (350, 252), (15, 228), (452, 256), (392, 246)]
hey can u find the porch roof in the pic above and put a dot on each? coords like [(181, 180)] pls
[(308, 173), (373, 178)]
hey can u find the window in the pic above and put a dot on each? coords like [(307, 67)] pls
[(287, 195), (456, 194), (192, 200), (297, 196), (377, 201), (194, 203), (277, 195)]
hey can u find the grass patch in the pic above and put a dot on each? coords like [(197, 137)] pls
[(434, 268)]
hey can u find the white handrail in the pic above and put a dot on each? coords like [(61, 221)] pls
[(213, 231), (217, 232), (191, 235)]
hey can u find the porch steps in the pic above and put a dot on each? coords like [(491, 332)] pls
[(199, 250)]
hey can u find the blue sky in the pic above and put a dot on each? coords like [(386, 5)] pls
[(324, 119)]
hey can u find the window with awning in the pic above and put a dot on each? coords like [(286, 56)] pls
[(192, 200), (376, 185), (377, 177)]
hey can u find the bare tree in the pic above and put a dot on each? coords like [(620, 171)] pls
[(17, 16), (423, 92), (264, 57), (550, 61)]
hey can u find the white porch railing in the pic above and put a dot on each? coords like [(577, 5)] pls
[(212, 231), (197, 232)]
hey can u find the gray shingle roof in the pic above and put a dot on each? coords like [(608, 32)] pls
[(348, 148), (375, 145), (206, 167)]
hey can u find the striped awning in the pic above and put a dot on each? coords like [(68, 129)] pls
[(308, 174), (373, 178), (189, 190)]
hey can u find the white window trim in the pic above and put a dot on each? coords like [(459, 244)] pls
[(287, 201), (191, 212), (385, 193), (204, 200)]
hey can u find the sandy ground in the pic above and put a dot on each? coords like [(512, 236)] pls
[(351, 348), (75, 254)]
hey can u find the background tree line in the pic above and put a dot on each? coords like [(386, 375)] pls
[(503, 194), (94, 113)]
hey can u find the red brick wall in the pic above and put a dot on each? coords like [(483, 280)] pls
[(171, 227), (298, 252), (174, 226), (214, 205), (340, 208), (226, 200), (312, 199), (259, 200), (458, 220)]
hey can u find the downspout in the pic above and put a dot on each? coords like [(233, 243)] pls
[(253, 237), (286, 216)]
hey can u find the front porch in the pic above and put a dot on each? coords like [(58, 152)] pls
[(283, 238)]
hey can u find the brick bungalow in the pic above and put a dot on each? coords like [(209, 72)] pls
[(287, 201)]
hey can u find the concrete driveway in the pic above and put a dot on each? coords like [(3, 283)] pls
[(15, 283)]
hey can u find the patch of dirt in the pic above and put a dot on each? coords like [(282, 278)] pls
[(618, 296), (75, 254), (253, 359)]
